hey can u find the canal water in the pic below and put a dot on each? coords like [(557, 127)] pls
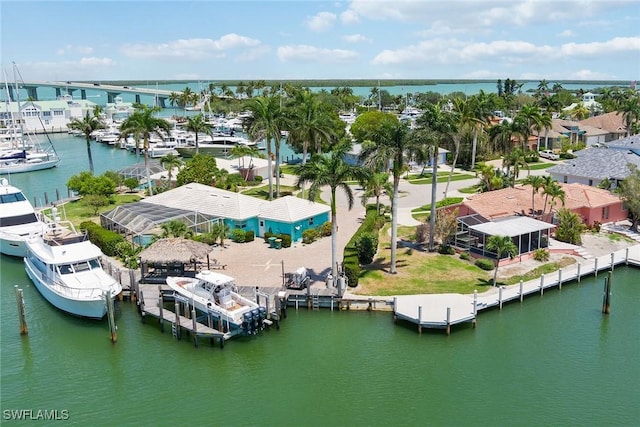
[(552, 360)]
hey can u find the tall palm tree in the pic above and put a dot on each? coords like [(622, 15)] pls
[(389, 145), (630, 110), (545, 123), (501, 245), (377, 185), (331, 171), (169, 162), (515, 159), (580, 112), (143, 123), (265, 123), (479, 112), (197, 125), (87, 125), (438, 126), (241, 151), (174, 99), (527, 118), (536, 182)]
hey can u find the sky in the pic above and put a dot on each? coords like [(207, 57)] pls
[(266, 40)]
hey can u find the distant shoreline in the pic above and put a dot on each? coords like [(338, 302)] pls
[(359, 82)]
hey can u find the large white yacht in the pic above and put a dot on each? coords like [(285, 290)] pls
[(65, 267), (18, 220)]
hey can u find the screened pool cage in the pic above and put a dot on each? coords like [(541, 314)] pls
[(139, 172), (141, 220)]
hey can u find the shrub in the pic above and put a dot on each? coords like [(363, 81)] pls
[(465, 256), (286, 240), (105, 239), (485, 264), (446, 250), (596, 226), (541, 255), (310, 235), (567, 156), (367, 246), (238, 235), (267, 235), (249, 236), (257, 178), (351, 270), (325, 229)]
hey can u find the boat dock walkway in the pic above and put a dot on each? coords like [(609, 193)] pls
[(151, 304), (441, 311)]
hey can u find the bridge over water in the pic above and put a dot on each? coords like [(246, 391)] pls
[(111, 90)]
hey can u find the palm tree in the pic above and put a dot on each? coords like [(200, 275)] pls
[(545, 123), (174, 99), (527, 118), (553, 190), (175, 228), (515, 159), (331, 171), (580, 112), (143, 123), (169, 162), (536, 182), (479, 113), (389, 145), (265, 123), (197, 125), (501, 245), (630, 110), (377, 185), (241, 151), (87, 125), (97, 110)]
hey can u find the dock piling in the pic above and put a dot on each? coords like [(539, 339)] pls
[(560, 279), (500, 296), (194, 322), (113, 329), (578, 274), (176, 305), (606, 301), (626, 256), (612, 259), (475, 307), (22, 318), (542, 284), (448, 320), (521, 293), (420, 319), (595, 268), (161, 309)]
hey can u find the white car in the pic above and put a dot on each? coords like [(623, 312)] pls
[(548, 154)]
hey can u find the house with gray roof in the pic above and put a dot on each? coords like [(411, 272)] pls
[(593, 165)]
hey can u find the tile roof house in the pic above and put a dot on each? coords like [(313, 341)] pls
[(612, 123)]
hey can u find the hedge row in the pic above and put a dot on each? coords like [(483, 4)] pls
[(105, 239), (239, 235), (350, 263), (286, 239)]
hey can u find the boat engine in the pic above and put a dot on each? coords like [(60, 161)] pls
[(263, 316), (256, 319), (247, 321)]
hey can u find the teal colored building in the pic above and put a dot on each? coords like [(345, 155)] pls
[(200, 206)]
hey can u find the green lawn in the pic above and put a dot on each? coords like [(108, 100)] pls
[(539, 166), (423, 212), (77, 211), (263, 191), (289, 169), (442, 177)]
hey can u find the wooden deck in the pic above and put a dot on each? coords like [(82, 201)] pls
[(441, 311)]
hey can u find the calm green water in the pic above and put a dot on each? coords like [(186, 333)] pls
[(554, 360)]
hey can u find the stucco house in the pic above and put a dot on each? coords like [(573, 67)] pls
[(200, 206), (39, 116)]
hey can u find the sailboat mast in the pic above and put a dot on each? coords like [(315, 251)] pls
[(15, 80)]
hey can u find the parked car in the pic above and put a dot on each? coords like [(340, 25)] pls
[(548, 154)]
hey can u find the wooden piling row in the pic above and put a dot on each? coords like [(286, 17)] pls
[(22, 318)]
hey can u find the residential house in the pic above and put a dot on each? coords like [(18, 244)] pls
[(40, 116)]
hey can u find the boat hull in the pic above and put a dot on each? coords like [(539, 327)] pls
[(27, 166), (220, 151), (93, 309), (12, 246)]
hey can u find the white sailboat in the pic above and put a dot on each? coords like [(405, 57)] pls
[(21, 151)]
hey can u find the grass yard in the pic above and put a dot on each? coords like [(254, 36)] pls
[(419, 272), (78, 211), (442, 177), (537, 272), (539, 166), (263, 191), (289, 169)]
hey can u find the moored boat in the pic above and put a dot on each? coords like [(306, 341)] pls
[(215, 294), (18, 220), (65, 268), (220, 146)]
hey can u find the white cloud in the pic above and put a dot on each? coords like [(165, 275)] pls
[(349, 17), (70, 49), (305, 53), (321, 22), (589, 75), (104, 62), (193, 49), (566, 33), (355, 38), (617, 44)]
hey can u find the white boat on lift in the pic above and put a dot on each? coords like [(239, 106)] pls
[(65, 267), (216, 294)]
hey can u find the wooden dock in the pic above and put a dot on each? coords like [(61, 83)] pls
[(442, 311)]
